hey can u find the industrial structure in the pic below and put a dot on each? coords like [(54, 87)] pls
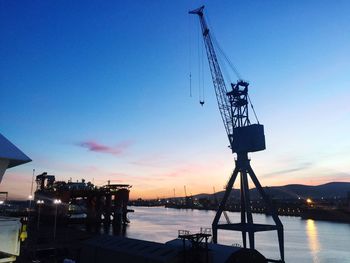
[(105, 249), (244, 137), (107, 204)]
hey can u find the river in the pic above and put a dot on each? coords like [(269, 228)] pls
[(305, 240)]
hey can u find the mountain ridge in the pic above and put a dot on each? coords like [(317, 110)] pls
[(293, 191)]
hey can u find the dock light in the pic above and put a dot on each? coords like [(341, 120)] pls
[(1, 202), (30, 197), (57, 201), (309, 201), (39, 202)]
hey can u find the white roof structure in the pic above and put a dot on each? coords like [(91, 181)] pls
[(9, 151), (10, 155)]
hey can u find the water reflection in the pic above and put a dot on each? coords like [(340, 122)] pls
[(115, 230), (305, 240), (314, 244)]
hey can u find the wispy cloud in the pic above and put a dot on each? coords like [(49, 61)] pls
[(299, 167), (95, 146), (152, 160)]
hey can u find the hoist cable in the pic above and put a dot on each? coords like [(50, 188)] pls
[(251, 105), (216, 43), (228, 61), (202, 58), (190, 54), (199, 63)]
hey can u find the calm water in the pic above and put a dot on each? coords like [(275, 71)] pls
[(305, 240)]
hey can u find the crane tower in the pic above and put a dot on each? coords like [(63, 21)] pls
[(244, 137)]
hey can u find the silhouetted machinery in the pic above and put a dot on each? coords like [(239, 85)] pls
[(100, 204), (244, 137)]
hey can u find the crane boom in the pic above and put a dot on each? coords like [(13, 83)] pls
[(233, 105), (216, 74)]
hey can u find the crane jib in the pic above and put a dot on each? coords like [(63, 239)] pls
[(233, 105)]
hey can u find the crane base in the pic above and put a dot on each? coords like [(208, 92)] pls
[(247, 225)]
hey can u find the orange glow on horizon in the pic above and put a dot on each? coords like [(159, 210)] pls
[(198, 180)]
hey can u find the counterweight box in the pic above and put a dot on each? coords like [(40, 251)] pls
[(248, 138)]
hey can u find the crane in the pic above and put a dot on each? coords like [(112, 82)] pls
[(244, 137), (224, 212)]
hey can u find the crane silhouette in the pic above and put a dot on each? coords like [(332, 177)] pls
[(244, 137)]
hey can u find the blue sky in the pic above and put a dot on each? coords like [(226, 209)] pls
[(100, 90)]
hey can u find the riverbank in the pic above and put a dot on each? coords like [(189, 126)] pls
[(325, 214)]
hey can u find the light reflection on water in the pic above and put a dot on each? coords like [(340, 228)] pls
[(305, 240), (314, 244)]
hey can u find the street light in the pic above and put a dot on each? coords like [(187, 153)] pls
[(39, 203), (309, 201), (30, 197), (56, 202)]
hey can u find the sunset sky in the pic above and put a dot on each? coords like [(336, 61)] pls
[(100, 90)]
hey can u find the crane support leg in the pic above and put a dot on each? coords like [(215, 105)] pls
[(248, 208), (223, 203), (243, 215), (247, 225), (272, 211)]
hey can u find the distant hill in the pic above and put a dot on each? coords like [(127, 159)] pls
[(293, 191)]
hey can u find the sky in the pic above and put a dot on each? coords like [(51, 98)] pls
[(100, 90)]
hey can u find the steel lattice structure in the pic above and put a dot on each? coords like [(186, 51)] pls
[(244, 137)]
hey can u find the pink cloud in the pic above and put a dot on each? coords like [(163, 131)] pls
[(95, 146)]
